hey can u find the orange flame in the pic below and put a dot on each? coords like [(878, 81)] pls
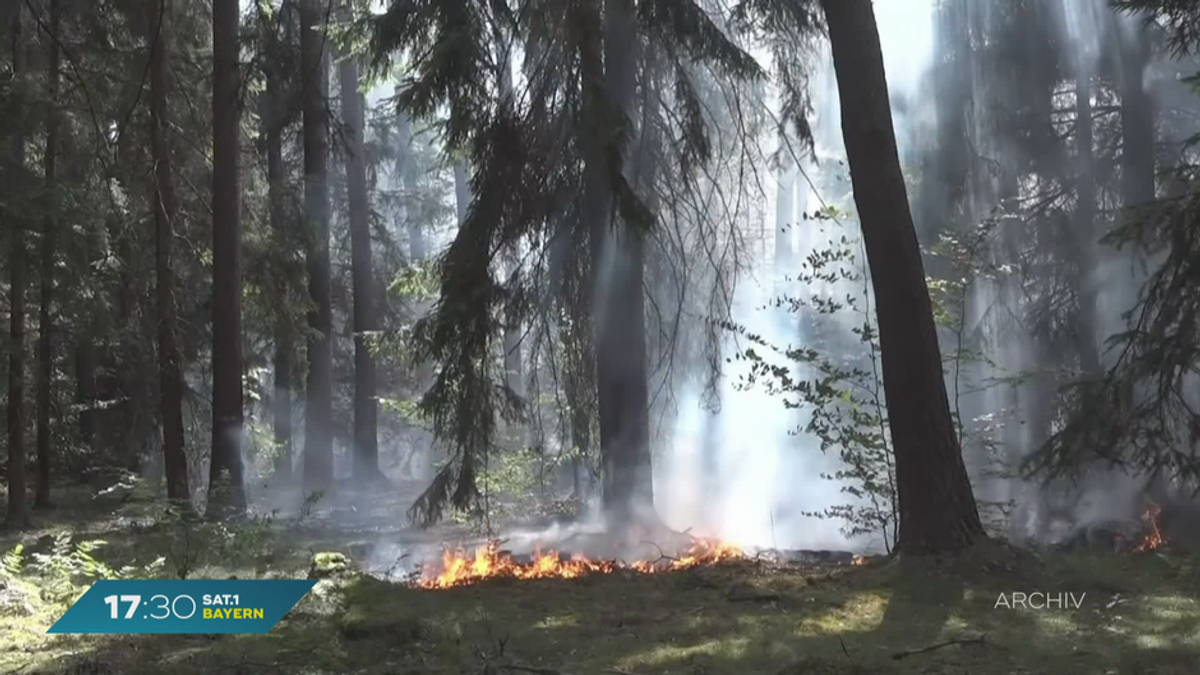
[(1154, 538), (858, 560), (488, 562)]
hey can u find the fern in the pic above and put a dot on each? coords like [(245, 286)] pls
[(12, 562)]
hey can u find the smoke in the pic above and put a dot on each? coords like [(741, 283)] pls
[(745, 470), (739, 467)]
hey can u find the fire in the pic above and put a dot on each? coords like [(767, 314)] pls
[(489, 562), (859, 561), (1154, 538)]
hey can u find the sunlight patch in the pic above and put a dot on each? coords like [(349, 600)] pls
[(1151, 642), (1171, 607), (1058, 624), (732, 648), (860, 613), (558, 621)]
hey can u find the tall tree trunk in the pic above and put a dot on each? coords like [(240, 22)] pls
[(45, 345), (579, 363), (1083, 244), (18, 514), (1137, 124), (225, 482), (318, 408), (784, 211), (513, 363), (166, 206), (85, 390), (366, 410), (406, 168), (619, 307), (275, 107), (937, 508)]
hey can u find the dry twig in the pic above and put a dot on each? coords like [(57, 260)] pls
[(529, 669), (978, 640)]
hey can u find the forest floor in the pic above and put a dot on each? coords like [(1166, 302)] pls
[(1138, 614)]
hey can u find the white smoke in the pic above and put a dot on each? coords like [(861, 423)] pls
[(769, 473)]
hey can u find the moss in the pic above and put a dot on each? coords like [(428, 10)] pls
[(329, 564)]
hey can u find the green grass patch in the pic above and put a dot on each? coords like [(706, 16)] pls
[(1137, 615)]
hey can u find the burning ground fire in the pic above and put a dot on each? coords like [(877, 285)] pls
[(457, 568), (1154, 538), (489, 562)]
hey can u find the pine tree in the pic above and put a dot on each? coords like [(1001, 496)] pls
[(366, 413), (18, 514), (225, 469), (166, 207), (937, 508), (318, 413)]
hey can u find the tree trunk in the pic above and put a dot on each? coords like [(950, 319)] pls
[(45, 346), (166, 206), (577, 377), (619, 306), (784, 212), (1083, 244), (406, 167), (225, 482), (366, 407), (1137, 124), (318, 407), (462, 190), (936, 505), (513, 363), (273, 117), (18, 514), (85, 391)]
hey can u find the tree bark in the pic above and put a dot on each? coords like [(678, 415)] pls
[(1137, 124), (225, 483), (85, 391), (619, 304), (937, 508), (166, 205), (18, 514), (784, 211), (318, 413), (511, 263), (406, 168), (45, 344), (1083, 244), (281, 402), (366, 407)]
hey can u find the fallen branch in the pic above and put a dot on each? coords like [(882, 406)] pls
[(978, 640), (529, 669), (662, 555)]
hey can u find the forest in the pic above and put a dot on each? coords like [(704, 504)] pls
[(606, 336)]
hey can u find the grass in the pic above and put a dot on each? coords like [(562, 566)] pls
[(1139, 615)]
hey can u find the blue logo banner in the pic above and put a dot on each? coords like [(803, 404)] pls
[(133, 606)]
